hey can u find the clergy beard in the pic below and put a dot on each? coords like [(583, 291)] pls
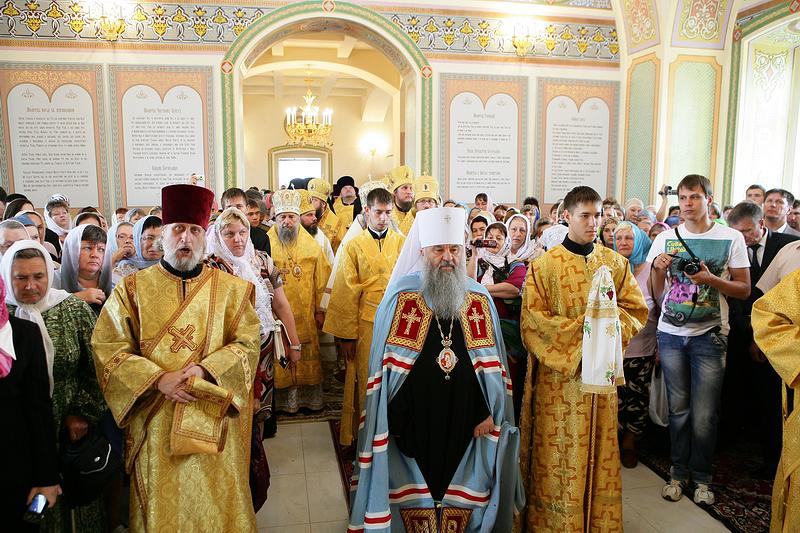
[(403, 206), (445, 290), (311, 228), (183, 264), (287, 235)]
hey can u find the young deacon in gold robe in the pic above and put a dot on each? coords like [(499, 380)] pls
[(776, 330), (569, 454), (346, 206), (175, 349), (402, 179), (361, 279), (334, 229), (305, 271)]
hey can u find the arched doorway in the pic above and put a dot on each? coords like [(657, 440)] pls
[(328, 16)]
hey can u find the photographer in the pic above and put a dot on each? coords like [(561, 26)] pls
[(703, 263)]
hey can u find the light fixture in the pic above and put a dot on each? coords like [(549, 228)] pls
[(110, 17), (304, 126)]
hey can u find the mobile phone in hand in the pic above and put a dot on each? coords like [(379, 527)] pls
[(35, 511)]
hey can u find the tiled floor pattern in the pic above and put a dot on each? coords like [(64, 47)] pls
[(306, 494)]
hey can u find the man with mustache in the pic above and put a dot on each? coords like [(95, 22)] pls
[(331, 225), (347, 205), (580, 307), (305, 271), (175, 350), (426, 193), (438, 443), (403, 189)]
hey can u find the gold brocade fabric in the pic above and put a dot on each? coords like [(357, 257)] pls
[(333, 228), (404, 221), (776, 330), (344, 212), (361, 280), (152, 323), (569, 456), (304, 293)]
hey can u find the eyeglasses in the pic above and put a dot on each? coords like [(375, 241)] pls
[(148, 238)]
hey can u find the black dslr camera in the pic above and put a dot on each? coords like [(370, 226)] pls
[(687, 266)]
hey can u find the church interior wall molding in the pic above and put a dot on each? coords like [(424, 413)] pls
[(748, 23), (701, 23), (641, 127)]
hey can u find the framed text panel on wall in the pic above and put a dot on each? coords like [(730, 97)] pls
[(577, 122), (53, 132), (483, 127), (160, 129)]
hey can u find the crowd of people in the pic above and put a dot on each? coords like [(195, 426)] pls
[(495, 361)]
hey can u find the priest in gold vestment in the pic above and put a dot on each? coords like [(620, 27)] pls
[(402, 179), (776, 330), (347, 205), (331, 225), (176, 348), (569, 454), (363, 273), (305, 272)]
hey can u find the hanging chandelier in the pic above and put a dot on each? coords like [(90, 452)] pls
[(305, 126)]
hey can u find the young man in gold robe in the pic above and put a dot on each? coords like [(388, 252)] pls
[(305, 271), (363, 273), (402, 179), (331, 225), (346, 206), (776, 329), (569, 454), (175, 349)]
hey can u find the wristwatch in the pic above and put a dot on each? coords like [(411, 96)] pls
[(296, 347)]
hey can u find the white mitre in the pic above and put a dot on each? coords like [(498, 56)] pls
[(432, 227)]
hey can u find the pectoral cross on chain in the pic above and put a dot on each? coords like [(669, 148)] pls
[(411, 318), (182, 338), (477, 319)]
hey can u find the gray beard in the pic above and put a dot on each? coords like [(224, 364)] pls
[(445, 291), (287, 235), (184, 264)]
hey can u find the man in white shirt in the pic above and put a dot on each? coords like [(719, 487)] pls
[(701, 263), (776, 208), (784, 263)]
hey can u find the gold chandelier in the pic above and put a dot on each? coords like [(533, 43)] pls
[(304, 126)]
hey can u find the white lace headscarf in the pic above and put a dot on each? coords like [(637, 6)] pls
[(33, 312), (246, 267), (529, 249)]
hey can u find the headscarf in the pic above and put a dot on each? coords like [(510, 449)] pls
[(495, 260), (7, 353), (111, 237), (662, 224), (529, 248), (69, 263), (33, 312), (54, 227), (641, 243), (131, 212), (246, 267), (85, 214), (138, 260)]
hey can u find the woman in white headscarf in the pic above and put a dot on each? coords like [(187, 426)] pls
[(85, 265), (119, 246), (504, 277), (146, 239), (134, 215), (231, 250), (523, 248), (66, 324)]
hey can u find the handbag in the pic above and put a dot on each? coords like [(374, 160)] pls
[(659, 408), (87, 467)]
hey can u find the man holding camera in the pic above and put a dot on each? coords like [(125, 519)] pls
[(700, 263)]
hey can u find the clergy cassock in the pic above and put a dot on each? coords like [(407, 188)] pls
[(361, 280), (305, 272), (189, 463), (403, 220), (344, 212), (333, 228), (415, 444), (569, 454), (776, 329)]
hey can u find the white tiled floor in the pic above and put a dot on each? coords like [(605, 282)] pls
[(306, 494)]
